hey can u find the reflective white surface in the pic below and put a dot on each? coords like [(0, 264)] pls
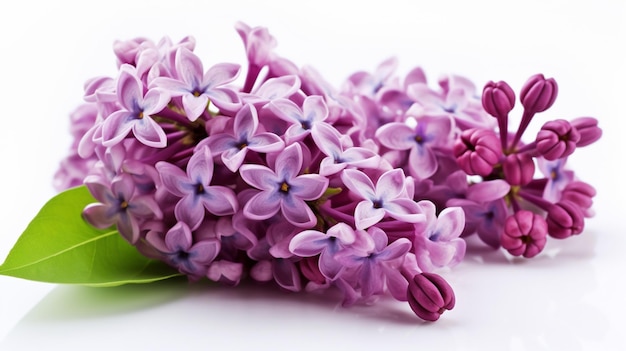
[(569, 298)]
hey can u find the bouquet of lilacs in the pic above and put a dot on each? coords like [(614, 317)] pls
[(370, 189)]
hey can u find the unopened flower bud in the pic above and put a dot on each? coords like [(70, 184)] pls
[(588, 129), (477, 151), (518, 169), (429, 295), (538, 93), (498, 99), (580, 193), (564, 220), (557, 139), (524, 234)]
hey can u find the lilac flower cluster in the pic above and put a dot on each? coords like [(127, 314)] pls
[(365, 189)]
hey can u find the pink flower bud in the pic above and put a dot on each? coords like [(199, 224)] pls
[(525, 234), (580, 193), (557, 139), (538, 93), (309, 266), (498, 99), (588, 129), (477, 151), (565, 219), (518, 169), (429, 295)]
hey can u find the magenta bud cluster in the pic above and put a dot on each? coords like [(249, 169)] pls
[(276, 176)]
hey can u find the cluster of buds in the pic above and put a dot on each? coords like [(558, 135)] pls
[(286, 179)]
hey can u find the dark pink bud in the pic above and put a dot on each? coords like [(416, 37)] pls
[(518, 169), (498, 99), (525, 234), (309, 266), (565, 219), (538, 93), (580, 193), (429, 295), (588, 129), (557, 139), (477, 151)]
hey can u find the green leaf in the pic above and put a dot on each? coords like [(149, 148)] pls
[(58, 246)]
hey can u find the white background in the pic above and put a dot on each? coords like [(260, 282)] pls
[(570, 298)]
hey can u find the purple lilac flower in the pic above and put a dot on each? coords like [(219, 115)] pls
[(233, 147), (197, 87), (314, 111), (195, 190), (136, 113), (282, 188), (387, 198)]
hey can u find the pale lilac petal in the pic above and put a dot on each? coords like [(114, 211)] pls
[(328, 266), (359, 183), (314, 108), (396, 283), (289, 162), (308, 186), (361, 157), (396, 136), (189, 210), (178, 238), (128, 227), (395, 250), (155, 101), (286, 274), (224, 98), (297, 212), (174, 86), (233, 158), (343, 232), (295, 133), (195, 105), (221, 142), (371, 280), (448, 254), (259, 177), (308, 243), (390, 185), (145, 206), (174, 179), (286, 110), (116, 127), (365, 215), (281, 87), (200, 166), (99, 215), (266, 142), (129, 90), (246, 122), (437, 129), (220, 74), (450, 223), (189, 67), (204, 252), (422, 162), (149, 132), (404, 209), (327, 139), (262, 205), (329, 167), (220, 200)]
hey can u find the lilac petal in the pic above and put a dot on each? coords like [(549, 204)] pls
[(224, 98), (178, 237), (204, 252), (286, 110), (450, 223), (297, 212), (276, 88), (365, 215), (343, 232), (396, 284), (448, 254), (438, 128), (395, 250), (146, 206), (220, 200), (308, 243), (308, 186), (129, 90), (123, 187), (328, 266), (371, 279), (262, 205), (233, 158), (189, 67), (404, 209), (329, 167), (99, 215), (359, 183), (116, 127), (422, 162), (390, 185), (246, 122), (289, 162), (379, 238), (128, 227), (154, 239), (295, 133), (98, 190), (220, 74), (200, 166), (327, 139), (195, 105), (155, 101), (314, 108), (396, 136), (266, 142), (173, 86), (361, 157), (218, 143), (259, 177), (149, 132), (173, 178), (487, 191), (190, 211), (286, 274)]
